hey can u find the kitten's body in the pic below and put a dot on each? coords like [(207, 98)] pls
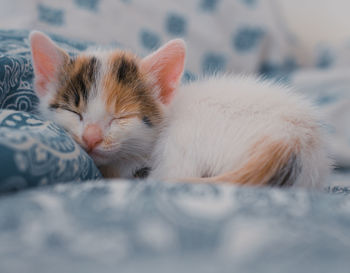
[(129, 113), (241, 130)]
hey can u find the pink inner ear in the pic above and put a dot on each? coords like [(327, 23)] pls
[(44, 69), (44, 64), (166, 65), (47, 58)]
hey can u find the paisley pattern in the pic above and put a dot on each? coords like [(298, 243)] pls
[(121, 226), (16, 90), (16, 72)]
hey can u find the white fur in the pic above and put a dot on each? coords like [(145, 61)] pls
[(211, 125)]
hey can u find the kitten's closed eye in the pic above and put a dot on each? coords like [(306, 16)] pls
[(66, 108), (75, 112), (125, 116)]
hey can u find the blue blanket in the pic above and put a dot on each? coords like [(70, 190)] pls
[(123, 226)]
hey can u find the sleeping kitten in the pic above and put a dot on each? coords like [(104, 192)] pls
[(130, 113)]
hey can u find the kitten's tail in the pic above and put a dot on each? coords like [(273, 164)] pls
[(274, 163)]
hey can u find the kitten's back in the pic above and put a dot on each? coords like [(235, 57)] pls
[(241, 130)]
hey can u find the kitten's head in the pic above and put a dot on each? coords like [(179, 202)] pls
[(110, 102)]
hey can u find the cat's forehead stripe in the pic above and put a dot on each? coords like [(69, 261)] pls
[(125, 69)]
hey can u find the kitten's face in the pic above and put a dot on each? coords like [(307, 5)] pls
[(110, 102), (106, 104)]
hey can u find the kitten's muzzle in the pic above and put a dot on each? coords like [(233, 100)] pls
[(92, 136)]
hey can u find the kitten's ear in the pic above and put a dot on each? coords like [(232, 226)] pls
[(48, 59), (165, 66)]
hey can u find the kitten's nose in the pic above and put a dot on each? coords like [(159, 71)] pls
[(92, 136)]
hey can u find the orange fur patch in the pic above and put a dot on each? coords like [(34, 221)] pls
[(265, 159)]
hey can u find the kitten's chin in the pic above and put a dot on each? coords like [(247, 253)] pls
[(100, 159)]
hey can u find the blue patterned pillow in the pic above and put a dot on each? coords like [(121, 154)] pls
[(32, 151), (36, 152)]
